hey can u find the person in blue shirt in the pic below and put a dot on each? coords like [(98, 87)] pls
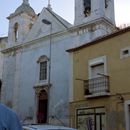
[(8, 119)]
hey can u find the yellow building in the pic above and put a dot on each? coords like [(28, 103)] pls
[(100, 91)]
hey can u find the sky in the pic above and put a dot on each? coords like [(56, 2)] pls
[(64, 8)]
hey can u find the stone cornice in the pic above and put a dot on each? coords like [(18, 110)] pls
[(26, 44), (93, 22), (57, 34)]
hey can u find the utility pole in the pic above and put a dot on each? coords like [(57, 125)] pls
[(45, 21)]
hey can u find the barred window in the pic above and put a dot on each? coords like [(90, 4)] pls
[(43, 70)]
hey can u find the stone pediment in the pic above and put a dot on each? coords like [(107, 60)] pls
[(40, 29)]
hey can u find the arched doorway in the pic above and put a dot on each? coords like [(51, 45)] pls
[(42, 107)]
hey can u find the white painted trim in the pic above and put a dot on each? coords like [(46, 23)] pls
[(71, 78), (97, 61), (126, 55), (127, 113)]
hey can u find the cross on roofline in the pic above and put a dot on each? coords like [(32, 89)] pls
[(25, 1), (49, 4)]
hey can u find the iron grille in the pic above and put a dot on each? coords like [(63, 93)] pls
[(96, 85)]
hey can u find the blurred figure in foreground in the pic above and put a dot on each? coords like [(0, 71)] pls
[(8, 118)]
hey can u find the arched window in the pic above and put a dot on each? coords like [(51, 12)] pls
[(43, 67), (87, 7), (16, 31)]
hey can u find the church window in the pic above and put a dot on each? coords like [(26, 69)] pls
[(43, 68), (87, 7), (16, 32)]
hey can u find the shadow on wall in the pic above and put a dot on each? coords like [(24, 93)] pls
[(0, 83), (0, 86)]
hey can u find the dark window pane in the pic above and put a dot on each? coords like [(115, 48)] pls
[(43, 70)]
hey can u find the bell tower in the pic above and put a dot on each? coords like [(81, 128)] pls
[(20, 22), (90, 10)]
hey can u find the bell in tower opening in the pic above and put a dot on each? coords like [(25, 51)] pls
[(87, 7)]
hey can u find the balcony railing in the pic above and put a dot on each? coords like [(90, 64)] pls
[(96, 86)]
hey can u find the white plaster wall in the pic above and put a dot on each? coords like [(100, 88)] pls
[(1, 64), (8, 80), (60, 72), (20, 76), (40, 29), (3, 43)]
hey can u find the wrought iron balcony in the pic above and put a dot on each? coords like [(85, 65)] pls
[(97, 86)]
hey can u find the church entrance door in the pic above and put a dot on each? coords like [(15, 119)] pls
[(42, 107)]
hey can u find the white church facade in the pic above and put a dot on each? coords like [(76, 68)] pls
[(37, 76), (3, 42)]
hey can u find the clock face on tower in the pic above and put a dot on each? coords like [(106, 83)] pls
[(87, 7)]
